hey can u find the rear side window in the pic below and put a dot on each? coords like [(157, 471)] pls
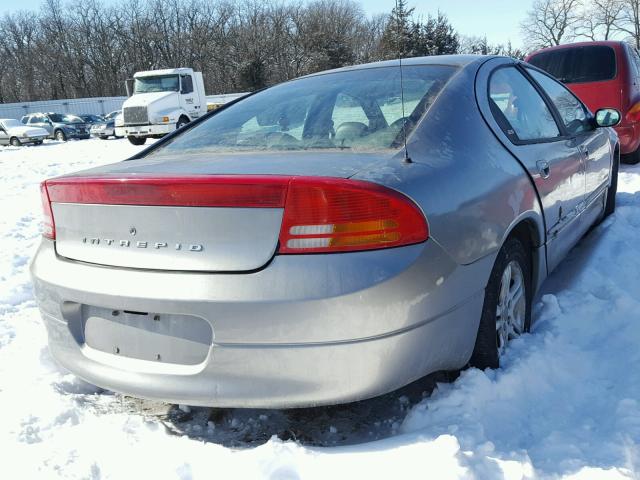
[(595, 63), (518, 107)]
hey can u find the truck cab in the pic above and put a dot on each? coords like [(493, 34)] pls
[(161, 101)]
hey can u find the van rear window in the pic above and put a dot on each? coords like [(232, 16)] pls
[(578, 65)]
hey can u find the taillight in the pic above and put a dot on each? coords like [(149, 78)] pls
[(320, 214), (633, 114), (48, 226), (250, 191), (336, 215)]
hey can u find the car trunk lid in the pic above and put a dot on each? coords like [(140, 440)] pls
[(149, 214)]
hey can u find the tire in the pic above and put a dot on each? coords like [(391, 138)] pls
[(610, 205), (103, 137), (60, 136), (631, 158), (181, 123), (15, 142), (137, 140), (39, 142), (491, 341)]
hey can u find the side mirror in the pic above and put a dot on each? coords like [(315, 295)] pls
[(129, 84), (607, 117)]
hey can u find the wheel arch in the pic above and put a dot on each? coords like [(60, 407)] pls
[(529, 229)]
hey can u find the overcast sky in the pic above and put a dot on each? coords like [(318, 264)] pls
[(499, 20)]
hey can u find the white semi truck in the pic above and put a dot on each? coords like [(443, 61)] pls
[(161, 101)]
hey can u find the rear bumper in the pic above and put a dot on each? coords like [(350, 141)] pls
[(306, 330)]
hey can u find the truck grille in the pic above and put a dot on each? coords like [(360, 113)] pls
[(135, 116)]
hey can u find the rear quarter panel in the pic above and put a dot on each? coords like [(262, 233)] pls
[(471, 189)]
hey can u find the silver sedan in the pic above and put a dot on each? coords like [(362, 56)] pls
[(328, 239)]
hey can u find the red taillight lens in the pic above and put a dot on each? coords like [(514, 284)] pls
[(633, 114), (48, 226), (189, 191), (336, 215)]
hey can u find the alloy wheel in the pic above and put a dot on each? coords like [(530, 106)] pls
[(511, 309)]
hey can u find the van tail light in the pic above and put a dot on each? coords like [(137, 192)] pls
[(336, 215), (48, 227), (633, 114)]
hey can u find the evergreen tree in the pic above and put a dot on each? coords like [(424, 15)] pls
[(397, 36)]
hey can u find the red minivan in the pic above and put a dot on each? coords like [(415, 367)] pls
[(601, 74)]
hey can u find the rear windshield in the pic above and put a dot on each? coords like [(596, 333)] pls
[(578, 65), (358, 109)]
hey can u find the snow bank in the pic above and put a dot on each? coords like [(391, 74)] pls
[(566, 404)]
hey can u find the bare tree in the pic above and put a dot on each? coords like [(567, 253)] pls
[(550, 22), (70, 49), (601, 19), (629, 21)]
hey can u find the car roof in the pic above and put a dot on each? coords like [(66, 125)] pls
[(607, 43), (452, 60)]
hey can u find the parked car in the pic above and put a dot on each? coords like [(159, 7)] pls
[(288, 251), (112, 115), (103, 130), (90, 119), (12, 132), (603, 75), (58, 125)]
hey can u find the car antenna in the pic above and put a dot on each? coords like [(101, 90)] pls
[(401, 44)]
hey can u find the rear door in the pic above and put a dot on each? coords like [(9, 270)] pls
[(593, 143), (529, 127)]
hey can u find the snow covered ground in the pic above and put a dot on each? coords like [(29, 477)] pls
[(566, 403)]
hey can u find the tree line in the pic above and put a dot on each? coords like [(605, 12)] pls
[(554, 22), (88, 48)]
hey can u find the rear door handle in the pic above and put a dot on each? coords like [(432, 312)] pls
[(543, 168)]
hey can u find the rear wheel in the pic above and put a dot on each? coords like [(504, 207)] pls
[(60, 136), (631, 158), (137, 140), (506, 312), (15, 142)]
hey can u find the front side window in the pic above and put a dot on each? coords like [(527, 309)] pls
[(160, 83), (357, 109), (573, 114), (518, 107), (36, 119)]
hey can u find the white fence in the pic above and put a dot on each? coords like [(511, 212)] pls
[(96, 106)]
